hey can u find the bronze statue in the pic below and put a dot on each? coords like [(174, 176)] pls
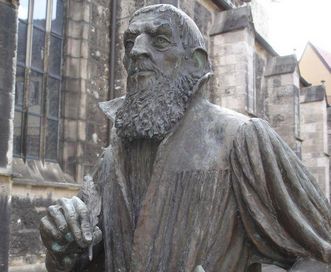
[(187, 185)]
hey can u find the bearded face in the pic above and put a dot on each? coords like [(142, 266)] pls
[(159, 84), (154, 103), (162, 71)]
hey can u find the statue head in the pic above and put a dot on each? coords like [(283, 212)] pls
[(165, 58)]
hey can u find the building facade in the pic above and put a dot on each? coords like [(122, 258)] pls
[(60, 58), (315, 66)]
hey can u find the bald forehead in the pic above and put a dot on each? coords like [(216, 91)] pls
[(149, 23)]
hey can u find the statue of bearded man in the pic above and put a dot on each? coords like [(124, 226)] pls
[(187, 185)]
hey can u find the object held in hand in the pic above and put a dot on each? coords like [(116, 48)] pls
[(91, 198)]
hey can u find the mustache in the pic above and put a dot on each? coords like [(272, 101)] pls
[(142, 66)]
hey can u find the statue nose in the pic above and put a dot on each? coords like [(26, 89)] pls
[(140, 47)]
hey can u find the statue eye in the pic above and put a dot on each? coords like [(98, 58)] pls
[(161, 42)]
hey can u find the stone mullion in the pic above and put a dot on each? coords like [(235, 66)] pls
[(27, 74)]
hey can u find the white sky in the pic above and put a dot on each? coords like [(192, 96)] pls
[(295, 22)]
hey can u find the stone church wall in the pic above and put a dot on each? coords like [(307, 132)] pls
[(85, 77), (8, 40), (86, 82), (315, 154)]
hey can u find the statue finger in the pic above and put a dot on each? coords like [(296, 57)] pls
[(84, 219), (97, 235), (55, 212), (48, 228), (72, 219), (47, 240), (51, 236)]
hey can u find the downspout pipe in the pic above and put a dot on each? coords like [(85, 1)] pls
[(112, 57)]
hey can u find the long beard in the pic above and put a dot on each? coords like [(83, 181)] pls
[(151, 111)]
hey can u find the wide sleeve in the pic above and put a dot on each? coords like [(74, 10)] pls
[(284, 213)]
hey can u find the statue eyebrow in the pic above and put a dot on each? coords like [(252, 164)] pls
[(164, 28), (131, 32)]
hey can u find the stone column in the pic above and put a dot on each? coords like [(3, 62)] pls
[(8, 44), (85, 83), (233, 39), (75, 76), (315, 134), (282, 99)]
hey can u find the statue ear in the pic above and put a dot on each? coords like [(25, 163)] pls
[(200, 61)]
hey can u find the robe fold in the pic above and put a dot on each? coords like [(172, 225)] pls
[(221, 190)]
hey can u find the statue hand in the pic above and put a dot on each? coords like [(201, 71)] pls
[(66, 232)]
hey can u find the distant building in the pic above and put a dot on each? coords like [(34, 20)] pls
[(315, 67), (68, 57)]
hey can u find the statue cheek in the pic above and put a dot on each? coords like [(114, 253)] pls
[(172, 62)]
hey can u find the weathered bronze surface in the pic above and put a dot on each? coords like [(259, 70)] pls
[(187, 185)]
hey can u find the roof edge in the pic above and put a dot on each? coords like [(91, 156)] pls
[(319, 55)]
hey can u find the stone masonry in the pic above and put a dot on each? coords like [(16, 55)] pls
[(314, 133), (28, 205), (85, 83), (233, 41), (84, 129), (282, 111), (8, 41)]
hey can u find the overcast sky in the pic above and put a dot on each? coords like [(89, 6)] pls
[(295, 22)]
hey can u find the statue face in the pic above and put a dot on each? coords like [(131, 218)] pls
[(152, 47), (160, 78)]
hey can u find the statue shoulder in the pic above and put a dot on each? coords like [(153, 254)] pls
[(227, 119), (235, 125)]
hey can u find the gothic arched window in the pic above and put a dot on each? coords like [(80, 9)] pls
[(38, 79)]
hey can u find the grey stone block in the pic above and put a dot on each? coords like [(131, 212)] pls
[(281, 65), (231, 20), (202, 17), (4, 230), (25, 219), (8, 28), (78, 30), (7, 18), (313, 94)]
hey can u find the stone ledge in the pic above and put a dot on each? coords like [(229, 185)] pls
[(313, 94), (28, 268), (281, 65), (61, 185), (233, 19), (40, 172)]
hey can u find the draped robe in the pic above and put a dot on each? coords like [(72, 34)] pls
[(221, 190)]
